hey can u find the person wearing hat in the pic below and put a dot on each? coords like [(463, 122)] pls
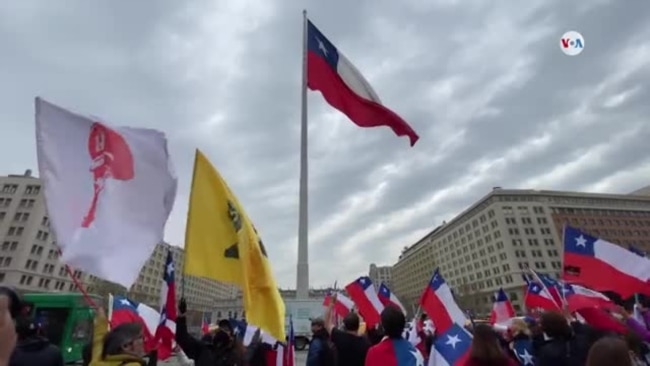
[(222, 351), (321, 351), (32, 349)]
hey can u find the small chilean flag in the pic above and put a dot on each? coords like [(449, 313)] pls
[(388, 298), (439, 303), (166, 330), (205, 325), (343, 305), (579, 297), (290, 353), (363, 293), (502, 309), (452, 344), (538, 296)]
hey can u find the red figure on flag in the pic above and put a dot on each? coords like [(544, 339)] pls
[(111, 158)]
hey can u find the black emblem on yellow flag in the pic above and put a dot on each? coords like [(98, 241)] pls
[(233, 250), (235, 217), (260, 243)]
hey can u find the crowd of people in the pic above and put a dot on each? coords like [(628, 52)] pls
[(554, 338)]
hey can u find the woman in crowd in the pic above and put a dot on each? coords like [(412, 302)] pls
[(485, 350), (121, 346)]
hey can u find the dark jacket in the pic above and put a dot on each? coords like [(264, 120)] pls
[(569, 351), (36, 351), (321, 352), (204, 354), (256, 353)]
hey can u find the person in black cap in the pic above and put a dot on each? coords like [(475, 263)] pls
[(221, 352), (32, 349), (321, 350), (225, 326)]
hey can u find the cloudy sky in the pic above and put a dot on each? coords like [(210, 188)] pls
[(494, 99)]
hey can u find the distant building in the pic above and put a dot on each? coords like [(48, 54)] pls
[(645, 191), (28, 256), (202, 294), (489, 245), (379, 274)]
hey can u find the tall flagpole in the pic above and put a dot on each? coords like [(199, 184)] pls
[(302, 273)]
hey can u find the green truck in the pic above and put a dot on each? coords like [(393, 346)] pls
[(66, 319)]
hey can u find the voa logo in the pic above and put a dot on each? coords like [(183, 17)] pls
[(572, 43)]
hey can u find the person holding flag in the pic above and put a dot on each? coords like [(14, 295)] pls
[(220, 352), (351, 348)]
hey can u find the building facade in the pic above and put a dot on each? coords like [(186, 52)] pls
[(379, 274), (28, 254), (489, 245), (201, 294)]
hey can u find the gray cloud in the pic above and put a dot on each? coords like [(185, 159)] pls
[(495, 101)]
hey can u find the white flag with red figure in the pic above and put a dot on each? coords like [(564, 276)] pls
[(109, 191)]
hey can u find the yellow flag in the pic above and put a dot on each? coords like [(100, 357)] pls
[(221, 243)]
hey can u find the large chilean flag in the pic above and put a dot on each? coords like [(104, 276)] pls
[(345, 89), (604, 266)]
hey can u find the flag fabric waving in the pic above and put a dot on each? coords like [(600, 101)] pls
[(205, 325), (502, 309), (604, 266), (220, 237), (439, 303), (579, 297), (166, 330), (451, 347), (290, 354), (388, 298), (362, 292), (452, 343), (523, 350), (345, 89), (538, 296), (394, 352), (343, 305), (123, 310), (109, 191), (553, 286)]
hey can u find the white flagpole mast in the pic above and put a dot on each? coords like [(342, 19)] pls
[(302, 273)]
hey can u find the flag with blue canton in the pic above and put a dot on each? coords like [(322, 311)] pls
[(365, 282), (523, 350), (406, 354), (238, 327), (453, 345)]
